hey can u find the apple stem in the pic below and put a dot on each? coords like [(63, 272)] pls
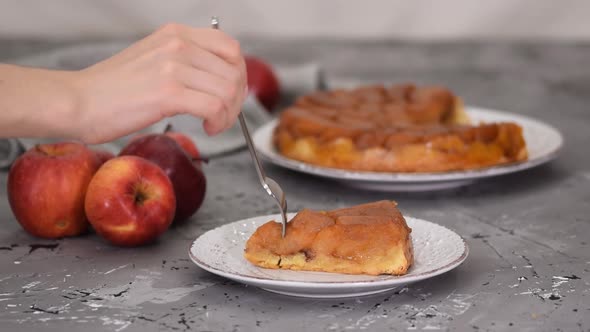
[(168, 128), (139, 198), (40, 148)]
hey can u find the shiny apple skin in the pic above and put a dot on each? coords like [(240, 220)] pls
[(130, 201), (46, 188), (263, 82), (187, 178), (187, 144)]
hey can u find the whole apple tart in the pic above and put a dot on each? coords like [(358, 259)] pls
[(398, 128)]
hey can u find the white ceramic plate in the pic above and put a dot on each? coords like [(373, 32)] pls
[(221, 251), (543, 143)]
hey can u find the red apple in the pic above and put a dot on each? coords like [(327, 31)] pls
[(130, 201), (186, 144), (103, 156), (187, 178), (47, 186), (262, 82)]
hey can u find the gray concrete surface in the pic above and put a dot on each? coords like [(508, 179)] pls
[(529, 233)]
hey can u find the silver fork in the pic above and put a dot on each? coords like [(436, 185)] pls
[(270, 185)]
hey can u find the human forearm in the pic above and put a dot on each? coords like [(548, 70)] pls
[(175, 70), (36, 102)]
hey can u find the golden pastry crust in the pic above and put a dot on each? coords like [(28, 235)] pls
[(369, 239), (401, 128)]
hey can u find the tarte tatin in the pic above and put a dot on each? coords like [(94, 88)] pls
[(399, 128)]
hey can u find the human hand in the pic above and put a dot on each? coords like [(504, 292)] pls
[(175, 70)]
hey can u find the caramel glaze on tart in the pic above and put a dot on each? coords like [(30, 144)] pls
[(369, 239), (400, 128)]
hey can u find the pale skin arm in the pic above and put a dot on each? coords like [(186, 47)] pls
[(175, 70)]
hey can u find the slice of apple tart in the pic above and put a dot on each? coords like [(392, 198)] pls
[(369, 239)]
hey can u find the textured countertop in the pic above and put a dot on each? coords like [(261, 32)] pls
[(528, 233)]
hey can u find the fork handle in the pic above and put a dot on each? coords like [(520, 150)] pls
[(246, 132), (258, 166)]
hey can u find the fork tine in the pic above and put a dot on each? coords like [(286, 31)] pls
[(275, 190)]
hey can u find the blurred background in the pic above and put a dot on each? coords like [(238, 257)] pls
[(303, 19)]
